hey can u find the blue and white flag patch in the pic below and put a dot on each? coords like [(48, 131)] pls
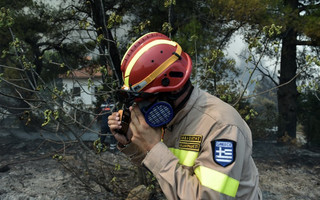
[(224, 152)]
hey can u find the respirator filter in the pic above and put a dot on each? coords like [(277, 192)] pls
[(158, 114)]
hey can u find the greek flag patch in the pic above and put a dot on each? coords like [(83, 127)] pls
[(223, 152)]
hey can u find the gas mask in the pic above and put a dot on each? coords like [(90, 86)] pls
[(157, 113)]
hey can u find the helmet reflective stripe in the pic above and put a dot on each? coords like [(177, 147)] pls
[(139, 86), (140, 53), (210, 178)]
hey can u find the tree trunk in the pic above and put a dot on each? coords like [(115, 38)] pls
[(287, 94), (108, 45)]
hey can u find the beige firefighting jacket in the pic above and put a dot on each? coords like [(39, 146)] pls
[(205, 153)]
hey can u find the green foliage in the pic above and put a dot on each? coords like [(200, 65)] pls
[(309, 79), (47, 117), (48, 114), (168, 3), (216, 70), (142, 26), (113, 20), (6, 19), (312, 60), (84, 24), (57, 157), (166, 27), (100, 147), (271, 31)]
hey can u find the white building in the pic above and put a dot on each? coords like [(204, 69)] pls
[(82, 84)]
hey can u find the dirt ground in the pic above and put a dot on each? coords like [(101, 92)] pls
[(288, 172), (28, 171)]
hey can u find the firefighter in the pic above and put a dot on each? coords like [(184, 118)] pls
[(106, 137), (197, 146)]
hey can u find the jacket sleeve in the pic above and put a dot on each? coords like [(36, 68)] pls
[(205, 179)]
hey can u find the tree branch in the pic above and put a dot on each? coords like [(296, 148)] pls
[(278, 86), (307, 43)]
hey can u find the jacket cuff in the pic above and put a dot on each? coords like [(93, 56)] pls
[(158, 158)]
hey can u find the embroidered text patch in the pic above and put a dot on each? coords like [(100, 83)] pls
[(190, 142)]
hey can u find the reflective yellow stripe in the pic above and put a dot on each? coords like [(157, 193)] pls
[(186, 158), (138, 55), (217, 181), (208, 177)]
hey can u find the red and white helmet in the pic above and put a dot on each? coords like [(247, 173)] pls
[(154, 63)]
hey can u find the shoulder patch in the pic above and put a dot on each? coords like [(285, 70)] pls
[(224, 152)]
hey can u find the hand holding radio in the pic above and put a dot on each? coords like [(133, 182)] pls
[(140, 119), (125, 118), (143, 135), (119, 126), (130, 126)]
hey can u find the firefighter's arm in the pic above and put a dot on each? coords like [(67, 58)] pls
[(205, 179)]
